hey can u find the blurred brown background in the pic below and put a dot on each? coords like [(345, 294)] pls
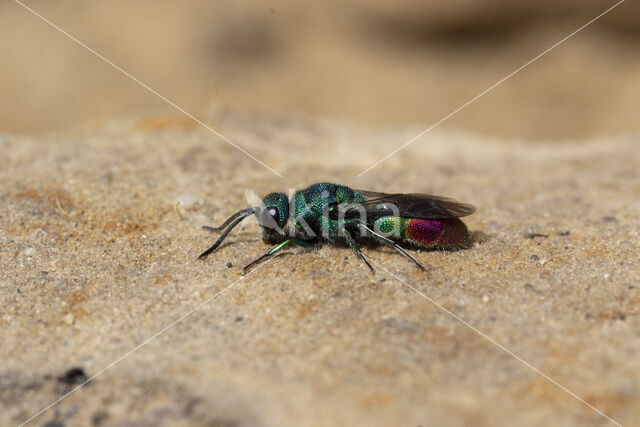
[(377, 62)]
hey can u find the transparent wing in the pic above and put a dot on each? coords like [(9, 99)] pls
[(413, 205)]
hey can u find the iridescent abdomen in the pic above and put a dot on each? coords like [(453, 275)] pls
[(446, 233)]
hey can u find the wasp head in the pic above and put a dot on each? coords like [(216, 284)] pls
[(274, 216)]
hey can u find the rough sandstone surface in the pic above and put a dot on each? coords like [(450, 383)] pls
[(100, 229)]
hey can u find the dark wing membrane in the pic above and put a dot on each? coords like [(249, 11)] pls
[(414, 205)]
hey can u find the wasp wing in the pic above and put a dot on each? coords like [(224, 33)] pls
[(413, 205)]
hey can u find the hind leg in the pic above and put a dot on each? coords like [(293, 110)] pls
[(388, 242)]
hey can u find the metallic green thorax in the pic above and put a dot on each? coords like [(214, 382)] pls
[(309, 211), (312, 204)]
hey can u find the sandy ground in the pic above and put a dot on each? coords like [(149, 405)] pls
[(100, 229)]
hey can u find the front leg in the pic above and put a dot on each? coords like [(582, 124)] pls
[(314, 243)]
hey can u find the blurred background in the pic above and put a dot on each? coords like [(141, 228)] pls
[(371, 61)]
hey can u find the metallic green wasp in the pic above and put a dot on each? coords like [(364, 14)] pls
[(332, 212)]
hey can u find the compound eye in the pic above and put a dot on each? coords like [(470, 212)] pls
[(273, 213), (273, 216)]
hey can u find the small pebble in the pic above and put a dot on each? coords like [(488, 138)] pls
[(494, 226), (54, 423), (68, 318), (609, 219), (229, 265), (106, 178), (73, 376), (29, 251), (534, 235), (99, 417), (186, 200), (534, 257)]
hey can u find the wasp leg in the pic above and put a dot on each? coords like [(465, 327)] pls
[(354, 246), (266, 255), (389, 242), (309, 244), (304, 243)]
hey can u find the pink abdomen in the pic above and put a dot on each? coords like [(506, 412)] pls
[(447, 233)]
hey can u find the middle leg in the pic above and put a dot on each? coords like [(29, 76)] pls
[(354, 246)]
